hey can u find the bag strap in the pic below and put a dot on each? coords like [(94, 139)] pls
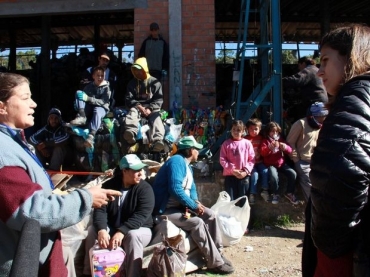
[(240, 198)]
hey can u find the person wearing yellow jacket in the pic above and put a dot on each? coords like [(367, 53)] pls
[(144, 98)]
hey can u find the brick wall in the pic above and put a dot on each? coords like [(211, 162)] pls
[(199, 67), (198, 47), (157, 11)]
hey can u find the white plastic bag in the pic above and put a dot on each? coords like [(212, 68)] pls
[(233, 220)]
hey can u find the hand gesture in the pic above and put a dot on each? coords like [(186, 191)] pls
[(200, 208), (147, 112), (81, 95), (45, 153), (116, 240), (40, 146), (103, 238), (273, 145), (101, 196), (282, 146), (240, 174), (141, 110)]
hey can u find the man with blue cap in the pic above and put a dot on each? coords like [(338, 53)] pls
[(175, 192), (302, 138), (126, 221)]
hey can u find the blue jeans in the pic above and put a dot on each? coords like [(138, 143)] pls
[(259, 171), (94, 114), (289, 173)]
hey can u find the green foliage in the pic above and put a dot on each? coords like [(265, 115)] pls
[(288, 57), (226, 56), (284, 220), (258, 224), (23, 59)]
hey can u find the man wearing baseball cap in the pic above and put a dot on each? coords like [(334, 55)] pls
[(302, 138), (175, 191), (126, 221)]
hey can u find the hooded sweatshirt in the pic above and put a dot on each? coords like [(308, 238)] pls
[(51, 136), (147, 92), (98, 95)]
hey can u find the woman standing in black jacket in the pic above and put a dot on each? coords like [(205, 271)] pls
[(340, 165)]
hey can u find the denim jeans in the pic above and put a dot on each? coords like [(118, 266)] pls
[(94, 113), (236, 187), (259, 171), (289, 173)]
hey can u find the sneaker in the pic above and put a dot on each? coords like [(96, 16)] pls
[(291, 197), (222, 269), (157, 146), (79, 120), (265, 195), (89, 142), (226, 261), (129, 137), (252, 201), (275, 199)]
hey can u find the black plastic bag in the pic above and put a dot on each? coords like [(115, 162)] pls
[(169, 258)]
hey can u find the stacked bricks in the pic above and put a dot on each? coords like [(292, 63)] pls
[(198, 47)]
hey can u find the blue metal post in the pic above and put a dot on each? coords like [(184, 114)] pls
[(277, 105)]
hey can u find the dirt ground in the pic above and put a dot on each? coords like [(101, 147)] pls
[(276, 252)]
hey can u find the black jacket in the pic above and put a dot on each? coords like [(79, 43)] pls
[(136, 210), (340, 172), (311, 86)]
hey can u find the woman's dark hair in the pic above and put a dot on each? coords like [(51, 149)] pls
[(8, 81), (353, 43)]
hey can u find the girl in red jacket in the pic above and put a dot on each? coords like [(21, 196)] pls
[(273, 148)]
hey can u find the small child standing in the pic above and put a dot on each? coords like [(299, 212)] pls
[(259, 171), (93, 103), (237, 160), (273, 148)]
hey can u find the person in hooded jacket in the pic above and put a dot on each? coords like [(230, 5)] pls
[(337, 239), (144, 98), (51, 142)]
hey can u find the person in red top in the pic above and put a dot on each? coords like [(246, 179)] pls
[(237, 160), (273, 148), (254, 126)]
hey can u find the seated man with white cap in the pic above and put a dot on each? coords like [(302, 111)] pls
[(126, 221)]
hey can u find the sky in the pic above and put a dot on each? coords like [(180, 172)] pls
[(305, 49), (128, 51)]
